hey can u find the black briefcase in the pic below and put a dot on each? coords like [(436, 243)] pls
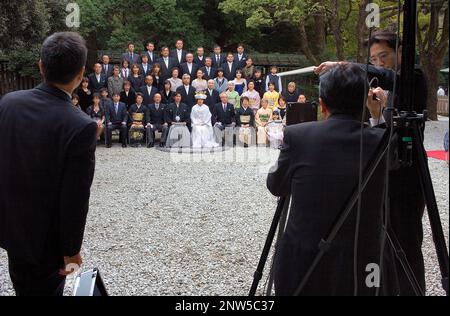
[(89, 283)]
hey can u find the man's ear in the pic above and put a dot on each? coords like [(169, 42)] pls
[(323, 106), (41, 68), (81, 74)]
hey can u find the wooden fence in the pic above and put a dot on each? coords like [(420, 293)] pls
[(11, 81), (442, 106)]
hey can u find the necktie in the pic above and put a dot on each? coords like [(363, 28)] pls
[(217, 59), (131, 57), (157, 107), (117, 108), (224, 107), (208, 70), (167, 62)]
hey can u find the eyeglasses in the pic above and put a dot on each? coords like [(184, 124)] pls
[(378, 58)]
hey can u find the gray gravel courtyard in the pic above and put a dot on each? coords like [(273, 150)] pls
[(159, 225)]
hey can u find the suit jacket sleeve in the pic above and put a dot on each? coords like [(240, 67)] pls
[(125, 114), (279, 178), (167, 117), (75, 189), (385, 76)]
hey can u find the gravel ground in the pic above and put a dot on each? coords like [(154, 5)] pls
[(161, 225)]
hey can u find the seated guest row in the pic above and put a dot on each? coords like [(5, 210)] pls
[(113, 115)]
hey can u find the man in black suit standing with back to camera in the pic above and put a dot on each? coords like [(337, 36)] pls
[(318, 166), (46, 171)]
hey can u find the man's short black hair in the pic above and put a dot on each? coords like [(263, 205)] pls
[(63, 55), (384, 36), (343, 89)]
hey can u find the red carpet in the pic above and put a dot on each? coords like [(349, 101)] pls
[(438, 154)]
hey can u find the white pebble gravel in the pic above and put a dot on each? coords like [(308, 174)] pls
[(162, 226)]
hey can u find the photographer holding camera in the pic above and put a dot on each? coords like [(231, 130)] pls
[(318, 166), (407, 202)]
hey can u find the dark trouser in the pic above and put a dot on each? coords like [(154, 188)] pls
[(116, 126), (224, 134), (36, 280), (407, 208), (160, 128)]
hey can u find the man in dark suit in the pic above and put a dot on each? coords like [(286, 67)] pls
[(179, 54), (187, 92), (46, 172), (199, 59), (145, 67), (116, 119), (209, 71), (148, 90), (217, 57), (107, 69), (177, 112), (97, 80), (230, 67), (155, 121), (319, 167), (167, 63), (150, 52), (212, 98), (225, 121), (406, 198), (241, 57), (131, 56), (189, 67)]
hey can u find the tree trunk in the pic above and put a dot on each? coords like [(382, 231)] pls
[(304, 44), (318, 42), (362, 32), (92, 45), (431, 71), (433, 44), (337, 33)]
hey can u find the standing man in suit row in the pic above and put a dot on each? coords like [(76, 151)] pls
[(97, 80), (179, 54), (131, 56), (107, 68)]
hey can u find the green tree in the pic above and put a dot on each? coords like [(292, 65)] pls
[(298, 14), (23, 27)]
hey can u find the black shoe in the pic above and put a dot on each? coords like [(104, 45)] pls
[(150, 145), (162, 144), (108, 146), (124, 145)]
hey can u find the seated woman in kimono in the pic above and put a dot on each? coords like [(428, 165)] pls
[(262, 118), (245, 123)]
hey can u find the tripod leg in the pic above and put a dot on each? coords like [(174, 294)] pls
[(401, 256), (262, 261), (281, 229), (433, 212)]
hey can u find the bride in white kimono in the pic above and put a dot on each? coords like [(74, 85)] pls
[(202, 130)]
